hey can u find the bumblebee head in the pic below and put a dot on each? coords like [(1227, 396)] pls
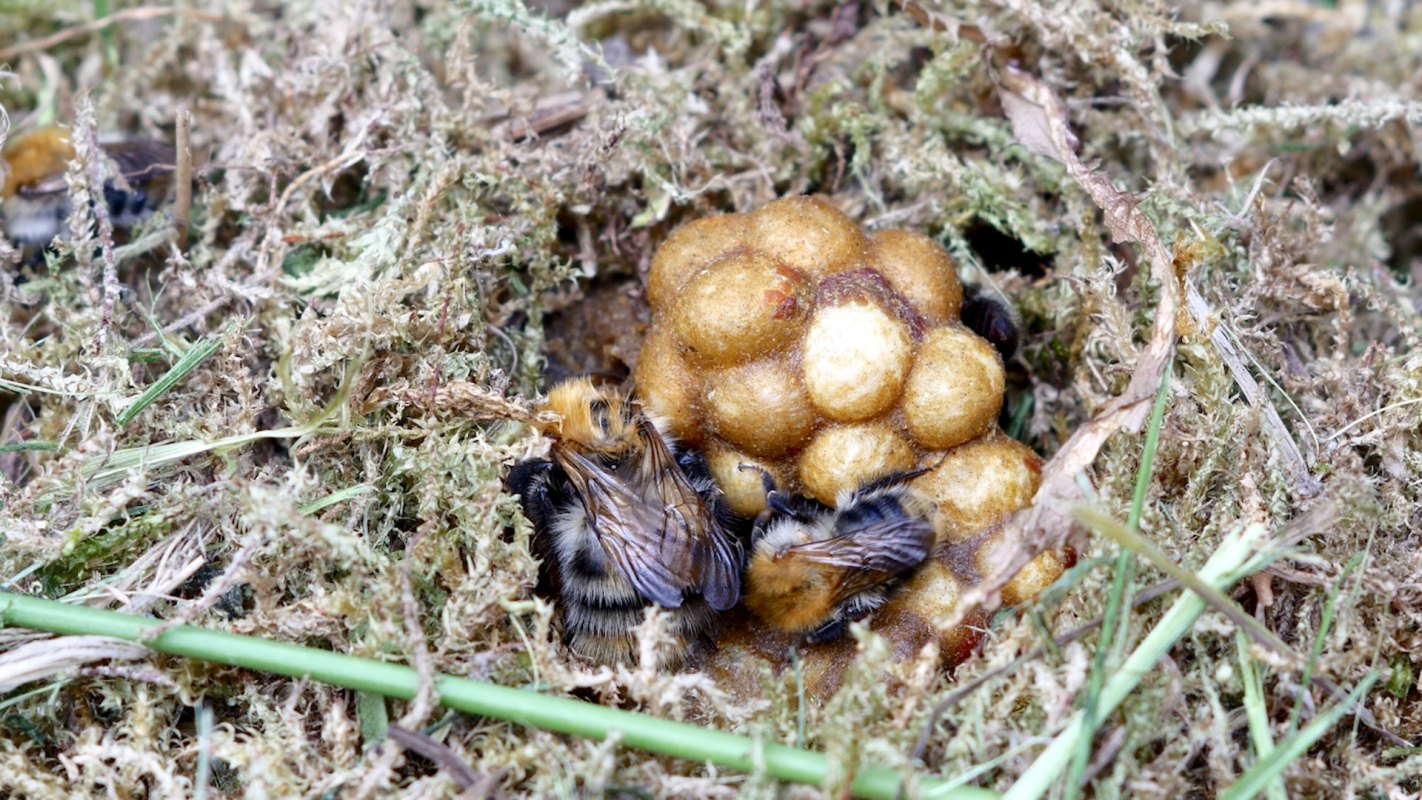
[(33, 156), (592, 418)]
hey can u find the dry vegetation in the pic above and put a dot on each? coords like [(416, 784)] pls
[(405, 203)]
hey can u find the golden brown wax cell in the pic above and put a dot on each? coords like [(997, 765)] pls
[(919, 269), (739, 308), (845, 457), (760, 407), (955, 391), (808, 234), (687, 251), (789, 341)]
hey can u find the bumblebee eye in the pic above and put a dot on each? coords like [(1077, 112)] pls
[(598, 409)]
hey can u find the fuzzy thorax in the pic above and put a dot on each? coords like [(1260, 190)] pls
[(35, 156), (787, 592), (594, 420)]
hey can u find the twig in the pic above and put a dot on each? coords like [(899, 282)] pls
[(419, 710), (1039, 121), (182, 205), (128, 15), (343, 161), (447, 759), (464, 398), (84, 124)]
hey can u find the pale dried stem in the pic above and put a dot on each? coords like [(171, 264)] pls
[(182, 204), (127, 15), (43, 659), (1304, 481), (1039, 120)]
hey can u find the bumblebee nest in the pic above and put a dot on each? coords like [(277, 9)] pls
[(789, 342)]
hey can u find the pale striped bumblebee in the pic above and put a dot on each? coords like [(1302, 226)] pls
[(814, 569), (621, 523), (34, 196)]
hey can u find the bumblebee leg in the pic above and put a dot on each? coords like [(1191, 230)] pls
[(762, 521), (694, 465), (532, 481), (829, 631)]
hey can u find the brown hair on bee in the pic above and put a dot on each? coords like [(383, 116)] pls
[(590, 418)]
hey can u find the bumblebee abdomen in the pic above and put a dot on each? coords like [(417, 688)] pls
[(605, 633), (873, 510)]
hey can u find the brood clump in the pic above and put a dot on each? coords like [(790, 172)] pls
[(791, 341)]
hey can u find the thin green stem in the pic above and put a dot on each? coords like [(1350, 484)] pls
[(1256, 712), (1330, 606), (1271, 768), (560, 714), (1236, 554), (1117, 624)]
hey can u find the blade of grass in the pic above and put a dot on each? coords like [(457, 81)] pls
[(336, 497), (197, 354), (559, 714), (1256, 713), (26, 447), (1235, 556), (1271, 767), (373, 716), (1143, 547), (1329, 607), (101, 12), (111, 468), (1117, 624)]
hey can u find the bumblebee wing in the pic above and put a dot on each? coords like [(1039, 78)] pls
[(697, 547), (633, 532), (142, 160), (870, 554)]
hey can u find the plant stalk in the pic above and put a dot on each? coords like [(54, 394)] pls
[(559, 714)]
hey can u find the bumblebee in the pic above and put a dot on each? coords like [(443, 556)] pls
[(994, 321), (34, 197), (815, 569), (622, 523)]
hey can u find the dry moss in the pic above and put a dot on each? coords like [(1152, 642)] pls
[(399, 195)]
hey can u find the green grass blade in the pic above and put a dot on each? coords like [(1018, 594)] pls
[(336, 497), (199, 353), (1143, 547), (27, 447), (560, 714), (1330, 606), (1230, 561), (1256, 712), (373, 716), (1117, 624), (1271, 767)]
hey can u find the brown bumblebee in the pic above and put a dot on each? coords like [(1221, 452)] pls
[(622, 523), (35, 197), (815, 569)]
